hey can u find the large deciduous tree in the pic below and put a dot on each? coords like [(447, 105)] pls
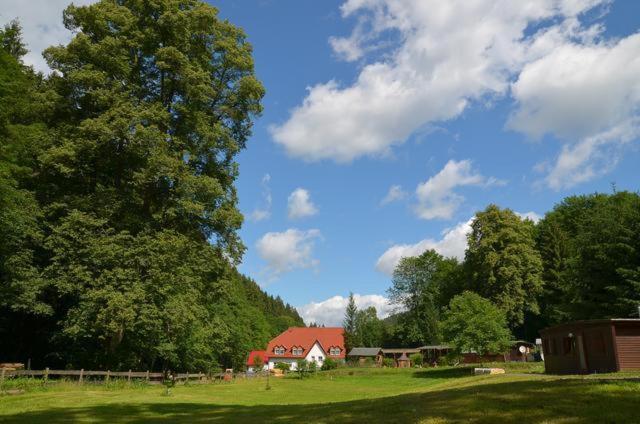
[(419, 285), (502, 262), (126, 187), (474, 324)]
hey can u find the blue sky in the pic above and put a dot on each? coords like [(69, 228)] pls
[(388, 123)]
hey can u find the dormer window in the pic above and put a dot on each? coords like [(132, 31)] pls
[(278, 351), (334, 351), (297, 351)]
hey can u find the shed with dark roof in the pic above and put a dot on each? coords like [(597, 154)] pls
[(364, 354)]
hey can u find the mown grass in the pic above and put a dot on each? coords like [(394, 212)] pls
[(346, 395)]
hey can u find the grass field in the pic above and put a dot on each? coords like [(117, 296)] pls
[(361, 395)]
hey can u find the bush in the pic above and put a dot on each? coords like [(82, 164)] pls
[(416, 359), (450, 359), (329, 364), (283, 366), (368, 362), (388, 363)]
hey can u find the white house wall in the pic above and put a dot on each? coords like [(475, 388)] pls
[(316, 354)]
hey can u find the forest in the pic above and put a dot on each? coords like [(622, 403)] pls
[(118, 211), (580, 261)]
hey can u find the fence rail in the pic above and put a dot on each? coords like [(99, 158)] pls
[(128, 375)]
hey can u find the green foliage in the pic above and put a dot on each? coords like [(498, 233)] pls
[(590, 249), (475, 324), (503, 264), (118, 212), (416, 359), (350, 324), (420, 284), (388, 362), (329, 364), (283, 366), (11, 40)]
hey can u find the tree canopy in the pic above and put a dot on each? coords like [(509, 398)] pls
[(119, 217), (474, 324)]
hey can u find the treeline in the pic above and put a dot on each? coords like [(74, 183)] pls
[(118, 211), (581, 261)]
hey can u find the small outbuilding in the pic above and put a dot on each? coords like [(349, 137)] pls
[(604, 345), (404, 361), (364, 354)]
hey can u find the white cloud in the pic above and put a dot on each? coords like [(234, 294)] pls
[(531, 215), (300, 205), (588, 96), (395, 193), (288, 250), (264, 212), (449, 54), (452, 244), (330, 312), (436, 198), (42, 26)]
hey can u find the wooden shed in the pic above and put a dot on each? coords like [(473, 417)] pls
[(364, 354), (604, 345)]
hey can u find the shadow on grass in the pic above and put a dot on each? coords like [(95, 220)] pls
[(446, 373), (572, 401)]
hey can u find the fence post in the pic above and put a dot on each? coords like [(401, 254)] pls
[(81, 375), (46, 374), (147, 376), (107, 378), (129, 377)]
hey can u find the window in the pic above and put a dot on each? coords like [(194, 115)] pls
[(320, 358), (334, 351), (278, 351), (297, 351)]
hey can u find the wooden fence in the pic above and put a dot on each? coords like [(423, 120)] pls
[(106, 375)]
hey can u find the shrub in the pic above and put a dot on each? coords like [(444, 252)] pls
[(329, 364), (450, 359), (388, 362), (368, 362), (283, 366), (416, 359)]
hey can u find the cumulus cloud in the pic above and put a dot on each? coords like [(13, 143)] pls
[(288, 250), (300, 205), (263, 212), (330, 312), (395, 193), (449, 53), (436, 196), (42, 26), (531, 215), (587, 95), (452, 244)]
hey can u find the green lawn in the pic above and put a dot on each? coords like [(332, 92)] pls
[(361, 395)]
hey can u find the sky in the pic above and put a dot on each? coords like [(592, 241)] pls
[(388, 123)]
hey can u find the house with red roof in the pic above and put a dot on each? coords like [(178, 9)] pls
[(313, 344), (251, 360)]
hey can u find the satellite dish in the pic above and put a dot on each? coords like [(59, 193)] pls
[(522, 349)]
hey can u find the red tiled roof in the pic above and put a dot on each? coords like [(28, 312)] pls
[(305, 337), (253, 354)]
